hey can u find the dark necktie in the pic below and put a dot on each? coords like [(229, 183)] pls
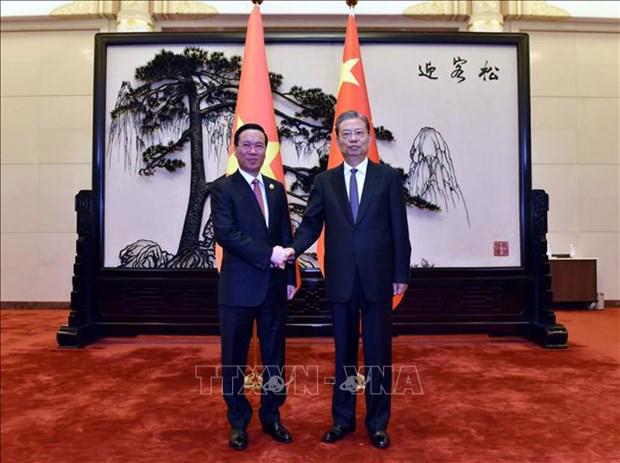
[(258, 194), (353, 196)]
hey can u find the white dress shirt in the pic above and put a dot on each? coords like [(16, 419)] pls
[(360, 177), (250, 178)]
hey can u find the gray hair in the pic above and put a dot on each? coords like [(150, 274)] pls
[(346, 115)]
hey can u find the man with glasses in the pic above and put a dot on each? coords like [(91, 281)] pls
[(251, 223), (367, 254)]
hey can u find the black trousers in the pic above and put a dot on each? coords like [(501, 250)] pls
[(377, 342), (236, 333)]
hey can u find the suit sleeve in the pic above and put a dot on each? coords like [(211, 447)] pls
[(312, 223), (400, 230), (286, 237), (230, 237)]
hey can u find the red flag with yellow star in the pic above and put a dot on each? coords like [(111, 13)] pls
[(352, 95), (255, 104), (254, 100)]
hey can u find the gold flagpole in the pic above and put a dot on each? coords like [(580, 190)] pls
[(361, 381), (252, 379)]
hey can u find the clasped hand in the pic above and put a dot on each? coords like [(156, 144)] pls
[(281, 256)]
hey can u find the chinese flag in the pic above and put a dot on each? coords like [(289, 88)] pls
[(352, 95), (255, 105)]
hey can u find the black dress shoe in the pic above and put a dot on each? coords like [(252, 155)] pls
[(238, 439), (336, 433), (380, 439), (278, 432)]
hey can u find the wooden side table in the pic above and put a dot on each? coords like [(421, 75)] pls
[(573, 281)]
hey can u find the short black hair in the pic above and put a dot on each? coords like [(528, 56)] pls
[(345, 116), (249, 126)]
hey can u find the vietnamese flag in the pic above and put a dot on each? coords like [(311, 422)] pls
[(352, 95), (254, 100), (255, 105)]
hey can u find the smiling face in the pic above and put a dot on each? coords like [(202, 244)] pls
[(250, 151), (353, 140)]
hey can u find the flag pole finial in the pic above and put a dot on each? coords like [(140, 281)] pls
[(351, 3)]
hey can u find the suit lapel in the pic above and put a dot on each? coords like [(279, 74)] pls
[(337, 179), (370, 186), (270, 192)]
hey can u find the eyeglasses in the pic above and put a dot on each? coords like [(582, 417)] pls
[(350, 134), (247, 147)]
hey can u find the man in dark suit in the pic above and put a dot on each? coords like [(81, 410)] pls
[(367, 254), (251, 223)]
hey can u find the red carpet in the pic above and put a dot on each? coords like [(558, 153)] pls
[(135, 400)]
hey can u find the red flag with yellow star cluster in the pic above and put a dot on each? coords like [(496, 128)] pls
[(352, 95)]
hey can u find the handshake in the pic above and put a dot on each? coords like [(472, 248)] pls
[(281, 256)]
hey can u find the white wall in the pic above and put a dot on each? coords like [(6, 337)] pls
[(46, 112), (575, 144)]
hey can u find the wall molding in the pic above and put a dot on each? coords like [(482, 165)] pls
[(441, 15), (87, 9), (35, 305), (448, 10)]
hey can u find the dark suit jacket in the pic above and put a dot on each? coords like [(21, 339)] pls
[(246, 241), (377, 244)]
